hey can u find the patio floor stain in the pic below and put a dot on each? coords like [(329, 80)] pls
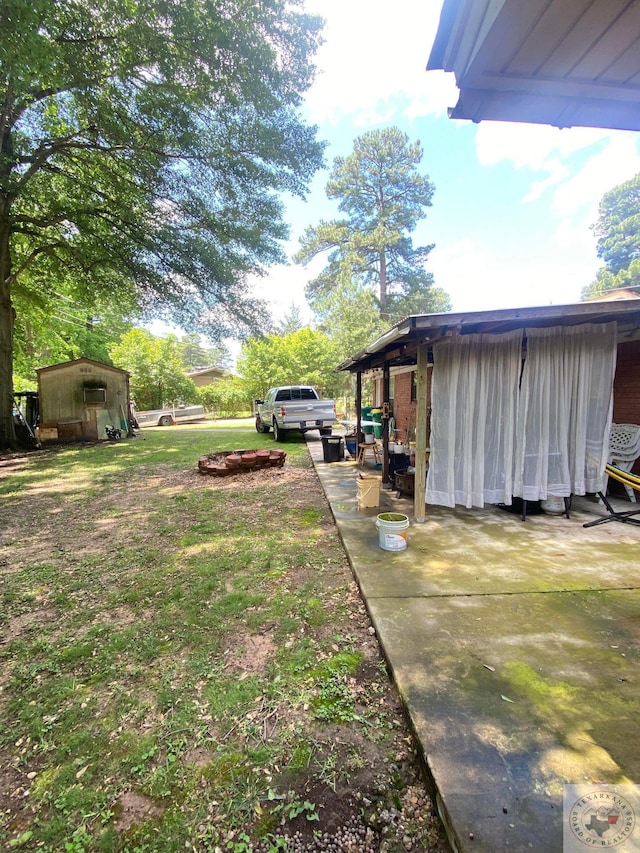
[(516, 649)]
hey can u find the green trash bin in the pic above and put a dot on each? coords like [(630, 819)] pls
[(365, 414), (376, 415)]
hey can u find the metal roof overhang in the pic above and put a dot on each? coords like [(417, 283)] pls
[(543, 61), (399, 345)]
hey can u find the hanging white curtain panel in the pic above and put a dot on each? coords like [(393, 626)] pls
[(496, 434), (474, 394), (564, 411)]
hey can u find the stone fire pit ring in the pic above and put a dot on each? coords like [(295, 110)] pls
[(227, 462)]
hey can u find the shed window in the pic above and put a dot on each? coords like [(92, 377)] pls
[(95, 395)]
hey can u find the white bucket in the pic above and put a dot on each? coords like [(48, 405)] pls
[(392, 530), (368, 492), (552, 505)]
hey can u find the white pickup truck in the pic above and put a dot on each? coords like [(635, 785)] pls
[(298, 407)]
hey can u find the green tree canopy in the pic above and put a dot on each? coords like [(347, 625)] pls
[(226, 398), (305, 357), (53, 327), (291, 321), (349, 316), (196, 354), (618, 226), (155, 365), (606, 282), (384, 196), (143, 147)]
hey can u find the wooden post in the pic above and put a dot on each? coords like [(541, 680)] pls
[(359, 437), (419, 498), (385, 424)]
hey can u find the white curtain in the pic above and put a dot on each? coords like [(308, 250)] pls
[(473, 418), (564, 411)]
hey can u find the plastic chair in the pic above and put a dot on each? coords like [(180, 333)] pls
[(624, 449)]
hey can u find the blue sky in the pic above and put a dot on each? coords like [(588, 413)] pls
[(513, 204)]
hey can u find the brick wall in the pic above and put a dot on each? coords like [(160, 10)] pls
[(404, 408), (626, 385), (626, 389)]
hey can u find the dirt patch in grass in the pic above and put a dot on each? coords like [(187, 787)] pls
[(133, 808), (187, 663)]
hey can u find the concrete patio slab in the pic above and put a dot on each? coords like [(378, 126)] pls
[(516, 649)]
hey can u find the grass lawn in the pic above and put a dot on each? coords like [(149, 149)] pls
[(186, 661)]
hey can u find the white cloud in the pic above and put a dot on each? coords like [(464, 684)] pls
[(580, 163), (557, 172), (615, 163), (531, 145), (375, 55), (480, 276), (576, 167), (284, 285), (436, 96)]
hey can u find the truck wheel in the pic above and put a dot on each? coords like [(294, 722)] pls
[(165, 420), (279, 434), (260, 427), (325, 431)]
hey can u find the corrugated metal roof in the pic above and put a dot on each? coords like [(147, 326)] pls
[(399, 344)]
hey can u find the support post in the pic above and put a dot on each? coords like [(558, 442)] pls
[(419, 498), (359, 436), (385, 424)]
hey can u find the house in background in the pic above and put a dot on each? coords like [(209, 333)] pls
[(79, 398), (206, 375)]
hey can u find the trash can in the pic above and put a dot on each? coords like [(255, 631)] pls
[(365, 414), (376, 415), (332, 448), (397, 462)]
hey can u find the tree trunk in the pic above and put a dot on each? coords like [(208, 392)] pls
[(383, 286), (7, 431)]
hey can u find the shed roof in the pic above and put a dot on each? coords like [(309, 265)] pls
[(560, 62), (76, 361), (398, 346)]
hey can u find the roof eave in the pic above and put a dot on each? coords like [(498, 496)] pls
[(429, 328)]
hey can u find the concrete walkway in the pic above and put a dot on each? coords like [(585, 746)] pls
[(516, 649)]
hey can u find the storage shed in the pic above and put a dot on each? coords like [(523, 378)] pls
[(79, 398)]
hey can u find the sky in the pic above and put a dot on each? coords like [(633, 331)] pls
[(513, 205)]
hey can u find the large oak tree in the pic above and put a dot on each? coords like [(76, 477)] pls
[(143, 148)]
